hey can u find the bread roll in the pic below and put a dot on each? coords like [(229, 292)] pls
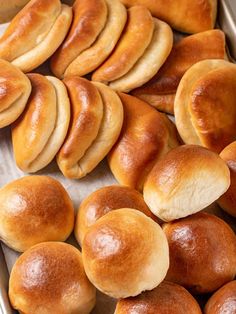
[(124, 253), (104, 200), (223, 300), (185, 181), (15, 90), (168, 297), (184, 15), (40, 131), (8, 9), (205, 108), (160, 90), (50, 278), (89, 18), (202, 252), (34, 209), (145, 137), (228, 201), (35, 33)]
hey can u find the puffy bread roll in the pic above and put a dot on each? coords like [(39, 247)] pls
[(35, 33), (228, 201), (186, 180), (124, 253), (223, 300), (135, 39), (202, 252), (205, 104), (34, 209), (168, 297), (89, 19), (8, 9), (15, 90), (145, 137), (104, 200), (40, 131), (160, 90), (50, 278), (186, 16), (150, 62), (92, 57)]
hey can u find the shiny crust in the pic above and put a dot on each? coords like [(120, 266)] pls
[(8, 9), (92, 57), (86, 118), (40, 131), (40, 282), (168, 297), (145, 131), (34, 209), (172, 191), (124, 253), (160, 90), (89, 20), (200, 95), (228, 201), (135, 39), (202, 246), (223, 300), (104, 200), (15, 90), (190, 17)]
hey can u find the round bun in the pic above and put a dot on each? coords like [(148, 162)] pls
[(8, 9), (105, 200), (185, 181), (50, 278), (168, 297), (223, 301), (124, 253), (202, 252), (34, 209), (228, 201)]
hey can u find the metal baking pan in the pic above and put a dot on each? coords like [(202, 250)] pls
[(227, 22)]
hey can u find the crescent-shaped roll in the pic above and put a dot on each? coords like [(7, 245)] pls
[(186, 16), (92, 57), (205, 104), (135, 39), (145, 137), (34, 209), (160, 90), (228, 201), (89, 18), (8, 9), (15, 90), (50, 278), (35, 33), (150, 62), (40, 131)]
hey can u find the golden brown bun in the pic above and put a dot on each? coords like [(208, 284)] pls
[(228, 201), (9, 8), (15, 90), (124, 253), (205, 108), (40, 131), (167, 298), (34, 209), (223, 301), (35, 33), (187, 16), (202, 252), (135, 39), (160, 90), (186, 180), (50, 278), (105, 200), (89, 17), (146, 136)]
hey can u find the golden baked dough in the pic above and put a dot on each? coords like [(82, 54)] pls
[(9, 8)]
